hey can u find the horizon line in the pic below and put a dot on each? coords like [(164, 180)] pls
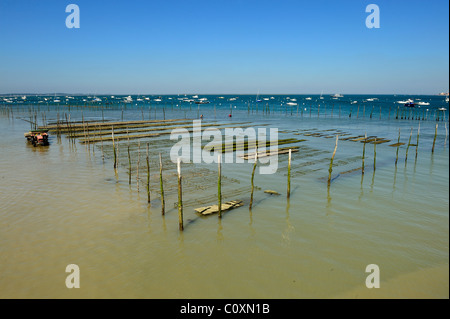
[(167, 94)]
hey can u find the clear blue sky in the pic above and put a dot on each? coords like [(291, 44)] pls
[(224, 46)]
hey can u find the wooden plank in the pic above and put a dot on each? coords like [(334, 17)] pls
[(271, 192), (350, 137), (380, 141), (212, 209), (397, 144)]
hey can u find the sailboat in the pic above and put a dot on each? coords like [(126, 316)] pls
[(257, 97)]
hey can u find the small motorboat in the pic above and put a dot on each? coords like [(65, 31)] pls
[(37, 137), (410, 103)]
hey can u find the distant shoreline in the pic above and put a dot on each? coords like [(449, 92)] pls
[(224, 94)]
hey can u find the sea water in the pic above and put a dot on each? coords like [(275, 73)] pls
[(65, 204)]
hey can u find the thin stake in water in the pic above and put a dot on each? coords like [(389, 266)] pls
[(331, 161), (148, 175), (253, 176), (417, 143), (289, 176), (180, 199), (434, 139), (407, 147), (219, 185), (364, 152), (161, 185), (398, 146)]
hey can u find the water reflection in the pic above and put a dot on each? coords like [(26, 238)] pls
[(328, 206), (395, 179), (219, 230), (37, 149), (361, 187), (289, 228), (373, 181)]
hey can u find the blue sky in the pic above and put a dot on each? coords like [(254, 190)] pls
[(224, 46)]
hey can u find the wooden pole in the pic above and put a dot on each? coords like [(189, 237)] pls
[(374, 155), (331, 161), (161, 185), (446, 133), (407, 147), (137, 165), (417, 143), (398, 146), (148, 175), (180, 199), (129, 166), (364, 152), (289, 176), (219, 186), (114, 147), (253, 176), (434, 139)]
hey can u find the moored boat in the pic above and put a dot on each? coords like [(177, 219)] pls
[(37, 137)]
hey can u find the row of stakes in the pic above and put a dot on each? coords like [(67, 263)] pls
[(219, 182)]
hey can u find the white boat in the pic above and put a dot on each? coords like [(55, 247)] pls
[(308, 98), (195, 96), (232, 99), (291, 103), (442, 109), (128, 99), (337, 95), (354, 102), (257, 97), (157, 100), (422, 103)]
